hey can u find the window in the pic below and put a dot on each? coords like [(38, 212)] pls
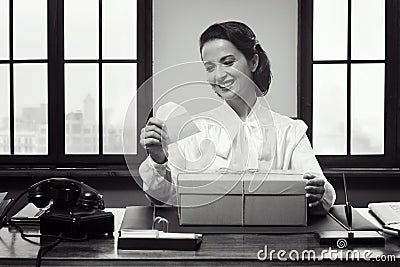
[(68, 72), (349, 80)]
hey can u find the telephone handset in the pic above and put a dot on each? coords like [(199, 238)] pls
[(66, 194)]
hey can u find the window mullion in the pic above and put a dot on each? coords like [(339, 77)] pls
[(305, 65), (348, 118), (100, 129), (392, 82), (59, 97), (52, 78), (11, 42)]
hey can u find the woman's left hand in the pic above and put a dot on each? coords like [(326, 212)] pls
[(315, 189)]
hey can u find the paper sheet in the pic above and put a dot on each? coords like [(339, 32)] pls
[(179, 124), (2, 196)]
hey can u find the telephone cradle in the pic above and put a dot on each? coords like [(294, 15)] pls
[(92, 223)]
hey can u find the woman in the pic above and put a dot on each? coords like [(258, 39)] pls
[(238, 70)]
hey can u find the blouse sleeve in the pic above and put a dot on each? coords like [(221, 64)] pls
[(304, 160), (157, 182)]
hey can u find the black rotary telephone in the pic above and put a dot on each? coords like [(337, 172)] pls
[(76, 209)]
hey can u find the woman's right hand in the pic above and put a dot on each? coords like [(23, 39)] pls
[(153, 138)]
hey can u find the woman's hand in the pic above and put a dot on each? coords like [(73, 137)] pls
[(315, 189), (153, 138)]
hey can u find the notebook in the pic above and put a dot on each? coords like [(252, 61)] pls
[(386, 212), (28, 215), (3, 203), (389, 215)]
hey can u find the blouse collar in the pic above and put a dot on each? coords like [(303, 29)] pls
[(259, 116)]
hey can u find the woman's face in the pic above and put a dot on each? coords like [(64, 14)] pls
[(228, 71)]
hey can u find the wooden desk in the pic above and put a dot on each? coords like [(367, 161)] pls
[(216, 250)]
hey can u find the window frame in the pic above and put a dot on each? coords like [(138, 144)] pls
[(390, 159), (56, 157)]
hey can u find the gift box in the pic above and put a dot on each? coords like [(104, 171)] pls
[(242, 198)]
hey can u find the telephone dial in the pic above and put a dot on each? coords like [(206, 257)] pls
[(76, 209)]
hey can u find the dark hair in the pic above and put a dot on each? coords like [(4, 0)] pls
[(244, 39)]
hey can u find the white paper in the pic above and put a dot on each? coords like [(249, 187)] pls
[(2, 196), (179, 124)]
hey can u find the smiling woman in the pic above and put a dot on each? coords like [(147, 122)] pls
[(227, 69), (238, 39), (234, 58), (242, 133)]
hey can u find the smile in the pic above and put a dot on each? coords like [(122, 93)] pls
[(227, 85)]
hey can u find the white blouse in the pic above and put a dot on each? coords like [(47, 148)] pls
[(264, 141)]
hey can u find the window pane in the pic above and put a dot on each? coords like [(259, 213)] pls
[(119, 87), (330, 29), (367, 108), (119, 29), (368, 29), (30, 110), (329, 109), (30, 29), (81, 109), (81, 26), (4, 29), (5, 109)]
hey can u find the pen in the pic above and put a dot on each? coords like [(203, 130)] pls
[(390, 231), (347, 207)]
